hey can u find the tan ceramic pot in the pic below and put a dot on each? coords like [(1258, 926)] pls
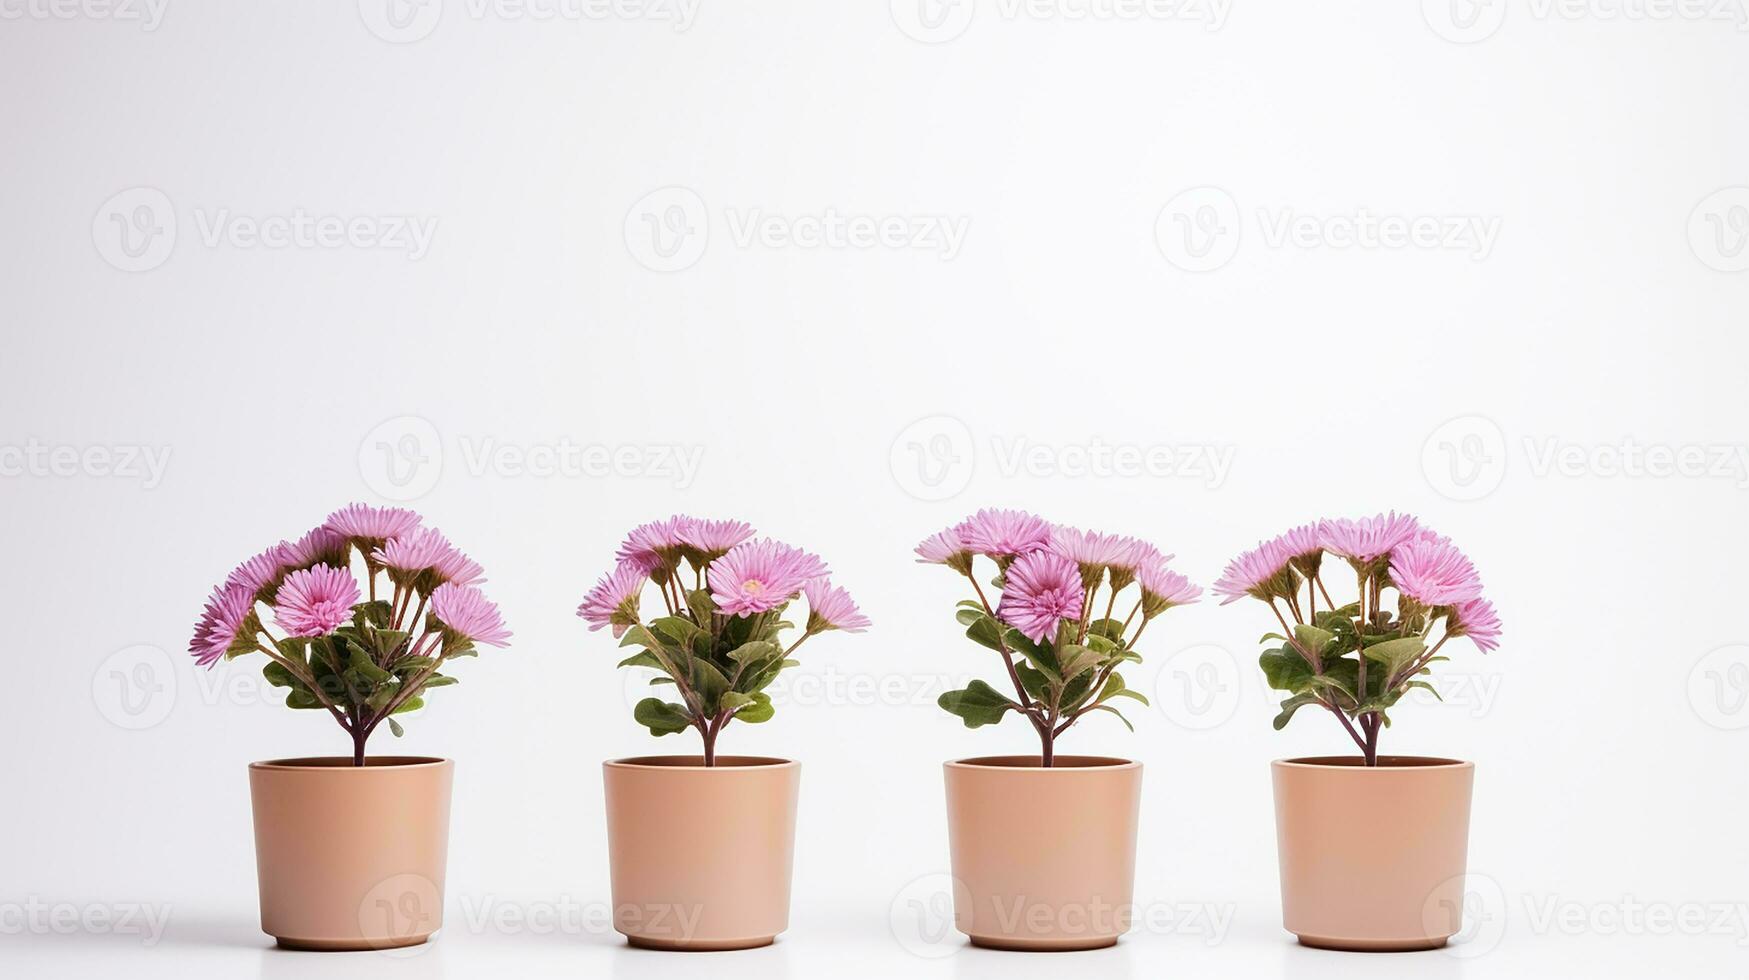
[(701, 856), (351, 858), (1013, 889), (1372, 858)]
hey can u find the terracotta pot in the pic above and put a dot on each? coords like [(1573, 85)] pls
[(1014, 889), (1372, 858), (701, 856), (348, 857)]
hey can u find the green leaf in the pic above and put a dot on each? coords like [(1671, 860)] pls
[(759, 711), (359, 659), (660, 717), (411, 704), (1120, 717), (438, 680), (985, 632), (755, 652), (643, 658), (699, 602), (1315, 641), (278, 676), (1109, 629), (411, 664), (1286, 670), (378, 613), (1036, 683), (708, 681), (395, 727), (1396, 654), (1114, 688), (1290, 706), (978, 705), (1429, 688), (1077, 660), (677, 629)]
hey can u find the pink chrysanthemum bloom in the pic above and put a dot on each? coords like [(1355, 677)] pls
[(1476, 619), (1432, 571), (466, 611), (1040, 590), (371, 526), (1093, 548), (704, 540), (1368, 539), (224, 624), (831, 608), (946, 548), (425, 559), (758, 576), (1261, 573), (657, 544), (614, 600), (1003, 534), (260, 574), (313, 601), (321, 546), (1163, 588)]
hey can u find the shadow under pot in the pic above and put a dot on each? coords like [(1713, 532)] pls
[(1010, 891), (1372, 857), (701, 855), (351, 857)]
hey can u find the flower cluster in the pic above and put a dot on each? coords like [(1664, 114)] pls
[(361, 657), (1060, 648), (1435, 583), (724, 595)]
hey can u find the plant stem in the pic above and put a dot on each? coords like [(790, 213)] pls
[(359, 735), (710, 743)]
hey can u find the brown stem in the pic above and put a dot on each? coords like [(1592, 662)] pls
[(710, 743)]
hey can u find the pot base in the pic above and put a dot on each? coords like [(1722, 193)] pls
[(1373, 945), (1017, 945), (347, 945), (699, 945)]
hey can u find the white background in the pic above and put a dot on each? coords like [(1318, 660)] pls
[(852, 399)]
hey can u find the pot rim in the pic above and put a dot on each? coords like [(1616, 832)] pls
[(1083, 763), (1348, 763), (735, 763), (343, 763)]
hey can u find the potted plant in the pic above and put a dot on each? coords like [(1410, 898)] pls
[(701, 845), (1372, 847), (350, 850), (1056, 630)]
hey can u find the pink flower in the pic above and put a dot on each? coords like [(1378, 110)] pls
[(946, 548), (1040, 590), (1258, 573), (1163, 588), (614, 600), (320, 546), (1095, 551), (758, 576), (258, 575), (1369, 538), (1476, 619), (1432, 571), (711, 539), (313, 601), (222, 624), (371, 526), (831, 608), (465, 610), (425, 557), (1003, 533), (656, 544)]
